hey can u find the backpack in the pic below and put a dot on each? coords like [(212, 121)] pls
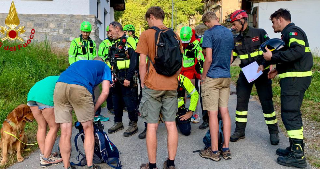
[(168, 58), (207, 137), (104, 149)]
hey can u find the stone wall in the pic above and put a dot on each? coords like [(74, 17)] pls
[(58, 29)]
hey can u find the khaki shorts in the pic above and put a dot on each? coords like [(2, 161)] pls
[(153, 102), (215, 93), (70, 96)]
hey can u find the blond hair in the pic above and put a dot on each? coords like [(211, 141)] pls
[(208, 16)]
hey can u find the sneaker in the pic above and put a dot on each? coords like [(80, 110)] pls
[(165, 166), (116, 127), (143, 134), (274, 139), (204, 125), (44, 162), (133, 128), (145, 166), (226, 154), (207, 153), (94, 167), (237, 136)]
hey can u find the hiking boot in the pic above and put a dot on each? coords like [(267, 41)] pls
[(133, 128), (116, 127), (145, 166), (295, 158), (143, 134), (94, 167), (274, 139), (237, 135), (207, 153), (165, 166), (226, 154), (286, 151), (44, 162), (204, 125)]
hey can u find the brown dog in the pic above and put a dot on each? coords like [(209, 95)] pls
[(14, 124)]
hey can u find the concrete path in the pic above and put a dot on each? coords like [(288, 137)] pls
[(255, 151)]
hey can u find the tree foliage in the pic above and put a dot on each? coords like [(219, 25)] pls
[(136, 9)]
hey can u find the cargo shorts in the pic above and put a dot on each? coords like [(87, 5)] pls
[(154, 102), (71, 96), (215, 93)]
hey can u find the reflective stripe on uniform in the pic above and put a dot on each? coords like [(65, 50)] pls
[(297, 134), (271, 121), (253, 54), (307, 49), (242, 112), (241, 119), (269, 115), (180, 102), (295, 74), (300, 42), (235, 54), (123, 64)]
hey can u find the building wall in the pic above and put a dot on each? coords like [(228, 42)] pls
[(303, 13), (67, 7), (229, 6), (58, 29)]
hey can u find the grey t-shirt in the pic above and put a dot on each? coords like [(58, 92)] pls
[(220, 40)]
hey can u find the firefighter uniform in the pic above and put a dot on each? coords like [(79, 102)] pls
[(81, 49), (246, 48), (294, 63), (124, 63)]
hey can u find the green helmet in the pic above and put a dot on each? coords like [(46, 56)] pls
[(86, 26), (107, 29), (129, 28), (185, 34)]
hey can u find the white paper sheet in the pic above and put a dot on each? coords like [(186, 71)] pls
[(250, 71)]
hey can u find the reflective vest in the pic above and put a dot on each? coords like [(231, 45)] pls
[(247, 46), (122, 58), (190, 55), (82, 50), (295, 59), (104, 50), (186, 85)]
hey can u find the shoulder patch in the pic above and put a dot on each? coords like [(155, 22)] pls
[(266, 36), (293, 33)]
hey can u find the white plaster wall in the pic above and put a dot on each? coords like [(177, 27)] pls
[(77, 7), (303, 13), (104, 6)]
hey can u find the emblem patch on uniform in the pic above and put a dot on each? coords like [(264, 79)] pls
[(255, 39), (238, 43), (266, 36), (293, 33), (80, 43)]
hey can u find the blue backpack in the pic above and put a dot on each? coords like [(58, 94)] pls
[(104, 149)]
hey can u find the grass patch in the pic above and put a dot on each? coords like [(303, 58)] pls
[(310, 107), (19, 71)]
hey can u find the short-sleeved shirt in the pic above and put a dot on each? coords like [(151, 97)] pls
[(153, 80), (86, 73), (42, 91), (220, 40)]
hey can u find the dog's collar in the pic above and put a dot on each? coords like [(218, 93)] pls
[(10, 123)]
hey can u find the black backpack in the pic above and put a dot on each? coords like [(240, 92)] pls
[(168, 58)]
